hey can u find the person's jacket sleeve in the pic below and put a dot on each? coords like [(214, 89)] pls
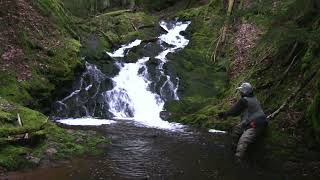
[(237, 108)]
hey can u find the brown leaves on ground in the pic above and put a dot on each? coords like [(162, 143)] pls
[(16, 18), (245, 40)]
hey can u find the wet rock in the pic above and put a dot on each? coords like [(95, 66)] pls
[(79, 140), (91, 132), (51, 151), (2, 170), (70, 131), (34, 160), (165, 115)]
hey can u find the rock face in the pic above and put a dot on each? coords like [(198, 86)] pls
[(87, 98), (33, 160), (51, 152)]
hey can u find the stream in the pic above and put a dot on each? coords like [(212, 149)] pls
[(143, 145), (149, 153)]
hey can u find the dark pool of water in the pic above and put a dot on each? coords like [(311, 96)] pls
[(147, 153)]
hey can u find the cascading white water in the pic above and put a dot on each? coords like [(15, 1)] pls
[(178, 41), (131, 97), (121, 51)]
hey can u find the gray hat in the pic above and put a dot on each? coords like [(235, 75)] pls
[(245, 88)]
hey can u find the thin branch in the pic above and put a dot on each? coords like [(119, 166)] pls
[(294, 94), (134, 27), (294, 47), (216, 50), (19, 120)]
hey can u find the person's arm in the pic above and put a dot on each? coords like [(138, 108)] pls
[(237, 108)]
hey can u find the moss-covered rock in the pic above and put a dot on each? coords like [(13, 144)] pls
[(15, 155), (115, 28)]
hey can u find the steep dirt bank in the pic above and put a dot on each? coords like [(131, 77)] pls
[(38, 56)]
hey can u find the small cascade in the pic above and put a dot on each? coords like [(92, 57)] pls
[(131, 97), (133, 94), (85, 100), (168, 90)]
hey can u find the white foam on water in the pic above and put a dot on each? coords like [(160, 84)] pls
[(216, 131), (86, 121), (121, 51)]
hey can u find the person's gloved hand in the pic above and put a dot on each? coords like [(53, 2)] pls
[(221, 115)]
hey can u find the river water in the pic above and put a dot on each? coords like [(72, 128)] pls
[(150, 153), (143, 145)]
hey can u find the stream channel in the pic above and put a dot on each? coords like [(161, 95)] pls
[(128, 112)]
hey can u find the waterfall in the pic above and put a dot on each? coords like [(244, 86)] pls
[(131, 96)]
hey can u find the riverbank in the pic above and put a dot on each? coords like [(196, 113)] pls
[(260, 43)]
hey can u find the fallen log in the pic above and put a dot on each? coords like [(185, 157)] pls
[(116, 13), (33, 138), (5, 132)]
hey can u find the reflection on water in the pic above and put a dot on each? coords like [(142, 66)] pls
[(146, 153)]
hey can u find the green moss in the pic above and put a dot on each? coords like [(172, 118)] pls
[(55, 9), (6, 117), (12, 157), (73, 45), (314, 115), (27, 43), (112, 29), (12, 90), (66, 143)]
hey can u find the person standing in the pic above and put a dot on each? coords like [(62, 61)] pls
[(253, 120)]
